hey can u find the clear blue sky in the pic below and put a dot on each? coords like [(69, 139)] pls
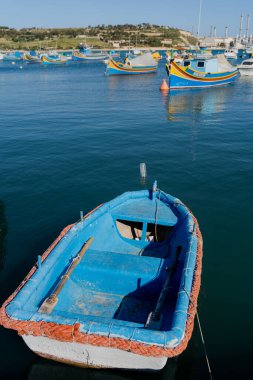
[(77, 13)]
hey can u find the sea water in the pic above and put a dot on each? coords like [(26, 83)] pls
[(72, 138)]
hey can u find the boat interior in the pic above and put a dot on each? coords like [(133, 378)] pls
[(118, 281)]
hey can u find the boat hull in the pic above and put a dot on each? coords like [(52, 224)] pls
[(88, 57), (86, 355), (246, 72), (115, 68), (91, 337), (52, 61), (186, 78)]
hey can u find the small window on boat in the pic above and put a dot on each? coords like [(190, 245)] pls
[(247, 63), (157, 233), (187, 63), (129, 229), (200, 64)]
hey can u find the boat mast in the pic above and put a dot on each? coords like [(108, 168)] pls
[(240, 30), (200, 8), (247, 28)]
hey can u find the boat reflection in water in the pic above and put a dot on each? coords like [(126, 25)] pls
[(3, 233), (182, 104), (44, 369)]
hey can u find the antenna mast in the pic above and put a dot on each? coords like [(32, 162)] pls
[(240, 30), (200, 8), (247, 28)]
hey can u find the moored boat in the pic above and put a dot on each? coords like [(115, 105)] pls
[(246, 67), (192, 73), (143, 64), (53, 61), (113, 54), (13, 56), (77, 56), (157, 56), (231, 54), (117, 289), (31, 58)]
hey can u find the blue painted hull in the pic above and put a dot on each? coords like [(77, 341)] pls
[(136, 281), (176, 82)]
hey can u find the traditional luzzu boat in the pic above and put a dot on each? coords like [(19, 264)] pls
[(31, 58), (157, 56), (13, 56), (215, 71), (78, 56), (47, 60), (143, 64), (117, 289)]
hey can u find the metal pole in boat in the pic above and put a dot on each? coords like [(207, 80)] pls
[(81, 215)]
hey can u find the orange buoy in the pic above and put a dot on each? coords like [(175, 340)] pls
[(164, 86)]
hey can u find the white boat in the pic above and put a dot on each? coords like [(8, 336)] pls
[(246, 67), (230, 54)]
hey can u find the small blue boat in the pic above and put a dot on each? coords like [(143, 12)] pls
[(13, 56), (117, 289), (197, 73)]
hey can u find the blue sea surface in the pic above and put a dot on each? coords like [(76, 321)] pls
[(72, 138)]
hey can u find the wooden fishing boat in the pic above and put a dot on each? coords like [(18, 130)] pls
[(29, 58), (116, 289), (215, 71), (53, 61), (77, 56), (157, 56), (144, 64), (13, 56)]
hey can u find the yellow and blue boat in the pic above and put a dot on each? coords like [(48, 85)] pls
[(144, 64), (31, 58), (47, 60), (197, 73)]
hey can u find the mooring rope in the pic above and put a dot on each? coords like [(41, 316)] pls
[(204, 345), (202, 337)]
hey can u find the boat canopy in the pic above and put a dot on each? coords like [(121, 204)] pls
[(223, 64), (144, 60)]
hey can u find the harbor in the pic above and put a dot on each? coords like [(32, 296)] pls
[(126, 179), (197, 146)]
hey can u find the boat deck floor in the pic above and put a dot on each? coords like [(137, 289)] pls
[(112, 286)]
